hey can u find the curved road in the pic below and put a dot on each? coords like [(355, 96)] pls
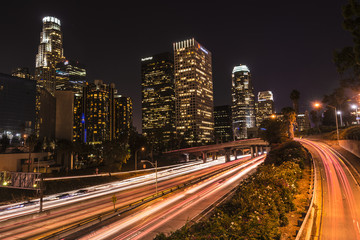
[(339, 200)]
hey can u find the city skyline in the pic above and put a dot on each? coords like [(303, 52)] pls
[(264, 41)]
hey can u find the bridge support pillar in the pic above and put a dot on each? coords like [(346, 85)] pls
[(261, 150), (252, 151), (256, 151), (187, 157), (204, 156), (227, 154), (213, 156), (235, 154)]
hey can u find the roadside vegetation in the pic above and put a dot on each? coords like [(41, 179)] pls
[(261, 203)]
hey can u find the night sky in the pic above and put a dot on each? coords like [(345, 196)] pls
[(286, 44)]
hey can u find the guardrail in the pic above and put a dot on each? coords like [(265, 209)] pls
[(90, 221), (311, 206), (118, 173)]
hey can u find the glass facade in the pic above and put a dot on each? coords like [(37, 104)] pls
[(243, 102), (17, 108), (70, 75), (223, 124), (264, 106), (100, 114), (193, 92), (50, 53), (158, 98)]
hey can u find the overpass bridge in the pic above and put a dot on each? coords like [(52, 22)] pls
[(254, 146)]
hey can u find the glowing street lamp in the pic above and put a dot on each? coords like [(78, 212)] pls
[(317, 105), (142, 149)]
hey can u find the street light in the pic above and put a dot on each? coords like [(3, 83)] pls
[(142, 149), (154, 165), (318, 105), (337, 125)]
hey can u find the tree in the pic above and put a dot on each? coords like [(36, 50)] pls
[(272, 131), (289, 120), (5, 142), (295, 96), (347, 59), (63, 150), (115, 154)]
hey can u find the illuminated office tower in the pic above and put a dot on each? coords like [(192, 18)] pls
[(100, 114), (123, 115), (158, 98), (243, 101), (22, 72), (70, 76), (264, 106), (194, 105), (50, 53)]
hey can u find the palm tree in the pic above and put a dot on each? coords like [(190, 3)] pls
[(295, 96), (290, 120)]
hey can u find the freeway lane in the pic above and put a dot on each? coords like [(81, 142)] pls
[(86, 206), (340, 198), (174, 211), (50, 202)]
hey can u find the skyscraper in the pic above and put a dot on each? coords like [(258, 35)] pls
[(70, 76), (243, 101), (158, 98), (22, 72), (223, 123), (100, 114), (193, 92), (123, 117), (50, 53), (264, 106)]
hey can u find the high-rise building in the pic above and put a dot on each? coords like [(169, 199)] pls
[(22, 72), (243, 102), (194, 103), (70, 76), (264, 106), (100, 114), (223, 123), (17, 106), (50, 53), (158, 98), (123, 117)]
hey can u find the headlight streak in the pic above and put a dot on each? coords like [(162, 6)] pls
[(211, 184), (336, 181), (51, 202)]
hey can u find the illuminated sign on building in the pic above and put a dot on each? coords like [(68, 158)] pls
[(146, 59)]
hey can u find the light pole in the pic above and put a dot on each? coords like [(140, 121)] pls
[(142, 149), (154, 165), (336, 120), (318, 105)]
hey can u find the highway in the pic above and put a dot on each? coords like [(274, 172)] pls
[(75, 206), (339, 198), (172, 212)]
